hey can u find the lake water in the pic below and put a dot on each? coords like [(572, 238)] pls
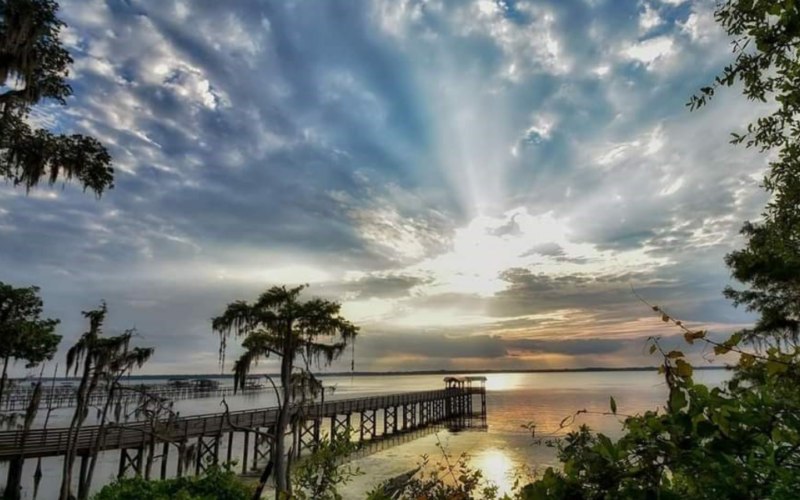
[(504, 451)]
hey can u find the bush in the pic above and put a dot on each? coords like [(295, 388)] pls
[(215, 484)]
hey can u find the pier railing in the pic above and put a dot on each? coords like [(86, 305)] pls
[(52, 442), (60, 397), (199, 440)]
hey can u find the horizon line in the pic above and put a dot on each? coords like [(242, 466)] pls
[(404, 372)]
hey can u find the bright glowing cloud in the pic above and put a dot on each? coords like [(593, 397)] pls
[(651, 50)]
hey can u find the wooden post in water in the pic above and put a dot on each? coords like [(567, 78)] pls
[(229, 451), (139, 453), (216, 448), (83, 472), (121, 470), (181, 455), (246, 451), (164, 459)]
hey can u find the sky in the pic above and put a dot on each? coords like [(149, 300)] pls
[(481, 184)]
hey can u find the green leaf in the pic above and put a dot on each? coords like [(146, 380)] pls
[(747, 360), (677, 400), (684, 368), (613, 405), (776, 368)]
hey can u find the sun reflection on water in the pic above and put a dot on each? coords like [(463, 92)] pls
[(503, 381), (498, 468)]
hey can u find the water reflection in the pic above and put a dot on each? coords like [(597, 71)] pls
[(498, 468), (513, 399)]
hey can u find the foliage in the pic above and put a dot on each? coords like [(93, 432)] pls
[(740, 440), (319, 476), (451, 478), (279, 324), (23, 333), (96, 358), (301, 334), (34, 66), (215, 484), (766, 39)]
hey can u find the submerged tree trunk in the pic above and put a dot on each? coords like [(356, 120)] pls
[(263, 480), (4, 379), (84, 389), (13, 489), (282, 483), (83, 488)]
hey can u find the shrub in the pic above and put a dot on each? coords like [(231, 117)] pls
[(215, 484)]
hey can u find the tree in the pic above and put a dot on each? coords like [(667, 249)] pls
[(33, 67), (119, 363), (94, 356), (24, 335), (13, 489), (279, 324), (766, 41)]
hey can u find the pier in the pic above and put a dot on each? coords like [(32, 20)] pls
[(189, 444), (65, 397)]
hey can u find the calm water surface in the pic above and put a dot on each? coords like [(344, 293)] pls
[(505, 451)]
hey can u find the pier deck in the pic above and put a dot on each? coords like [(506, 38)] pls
[(199, 440)]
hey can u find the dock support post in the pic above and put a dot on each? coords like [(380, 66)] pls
[(82, 486), (128, 460), (151, 453), (390, 420), (246, 451), (198, 455), (164, 459), (367, 424), (121, 469), (181, 457), (229, 452), (409, 416), (339, 425), (308, 438), (139, 453), (256, 450), (263, 448)]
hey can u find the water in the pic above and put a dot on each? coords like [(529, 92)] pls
[(505, 451)]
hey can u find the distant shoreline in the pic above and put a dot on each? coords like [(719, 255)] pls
[(410, 373)]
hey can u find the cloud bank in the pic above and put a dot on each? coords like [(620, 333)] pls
[(480, 183)]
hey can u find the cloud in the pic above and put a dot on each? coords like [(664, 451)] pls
[(485, 347), (649, 18), (498, 172), (651, 50), (547, 249), (382, 286)]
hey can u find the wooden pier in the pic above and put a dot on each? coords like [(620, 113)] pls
[(65, 397), (195, 441)]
